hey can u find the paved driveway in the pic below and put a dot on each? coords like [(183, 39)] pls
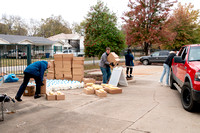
[(144, 106)]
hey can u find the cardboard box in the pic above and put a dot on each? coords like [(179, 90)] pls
[(88, 85), (106, 89), (77, 71), (112, 57), (88, 91), (89, 80), (67, 64), (58, 64), (60, 97), (61, 70), (67, 76), (78, 58), (74, 65), (67, 57), (29, 91), (78, 78), (77, 63), (115, 91), (59, 76), (67, 70), (43, 88), (58, 57), (100, 94), (50, 97), (50, 76)]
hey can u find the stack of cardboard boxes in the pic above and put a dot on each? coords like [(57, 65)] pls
[(51, 70), (78, 68), (63, 66), (101, 90), (67, 66), (58, 66), (55, 95)]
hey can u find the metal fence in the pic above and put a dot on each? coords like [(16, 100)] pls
[(14, 58)]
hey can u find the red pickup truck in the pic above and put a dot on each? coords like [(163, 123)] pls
[(185, 75)]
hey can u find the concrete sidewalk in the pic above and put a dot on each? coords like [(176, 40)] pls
[(143, 107)]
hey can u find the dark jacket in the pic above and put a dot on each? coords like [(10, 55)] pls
[(168, 61), (129, 59), (37, 69), (103, 62)]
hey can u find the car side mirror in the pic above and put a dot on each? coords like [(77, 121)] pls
[(178, 59)]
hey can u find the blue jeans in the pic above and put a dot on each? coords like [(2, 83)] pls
[(165, 71), (106, 74)]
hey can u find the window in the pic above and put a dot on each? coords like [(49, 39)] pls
[(184, 53), (155, 54), (194, 54), (57, 49), (39, 48), (164, 53), (180, 52)]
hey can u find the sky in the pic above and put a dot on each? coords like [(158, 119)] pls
[(70, 10)]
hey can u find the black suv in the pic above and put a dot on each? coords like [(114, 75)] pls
[(156, 57)]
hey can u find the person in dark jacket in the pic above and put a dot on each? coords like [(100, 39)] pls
[(105, 66), (35, 70), (167, 66), (129, 63)]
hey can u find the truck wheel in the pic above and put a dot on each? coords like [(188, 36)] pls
[(172, 81), (186, 98), (145, 62)]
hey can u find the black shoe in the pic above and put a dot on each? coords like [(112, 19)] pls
[(127, 76), (18, 99), (37, 96), (131, 76)]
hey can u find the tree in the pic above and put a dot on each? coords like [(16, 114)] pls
[(101, 31), (184, 21), (34, 27), (145, 22), (79, 28), (52, 26), (13, 25), (3, 29)]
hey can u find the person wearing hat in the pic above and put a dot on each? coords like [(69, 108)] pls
[(167, 66), (35, 70)]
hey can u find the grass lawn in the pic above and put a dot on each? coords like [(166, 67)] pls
[(91, 66)]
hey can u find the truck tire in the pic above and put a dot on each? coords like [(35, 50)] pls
[(172, 81), (145, 62), (186, 98)]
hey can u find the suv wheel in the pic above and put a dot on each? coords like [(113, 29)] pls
[(145, 62), (172, 81), (186, 97)]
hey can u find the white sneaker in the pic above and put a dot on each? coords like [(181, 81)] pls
[(160, 82), (166, 85)]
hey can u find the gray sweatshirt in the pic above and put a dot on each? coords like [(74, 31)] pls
[(103, 62)]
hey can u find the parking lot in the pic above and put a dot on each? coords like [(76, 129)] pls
[(143, 107)]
